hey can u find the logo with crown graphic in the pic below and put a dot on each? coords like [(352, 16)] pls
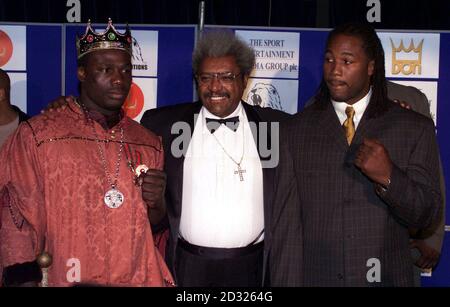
[(407, 66)]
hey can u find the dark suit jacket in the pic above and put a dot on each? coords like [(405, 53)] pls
[(330, 227), (418, 101), (411, 95), (160, 121)]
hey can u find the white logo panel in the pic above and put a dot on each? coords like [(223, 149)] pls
[(13, 47), (411, 55), (276, 94), (145, 53), (19, 90), (142, 97), (277, 53)]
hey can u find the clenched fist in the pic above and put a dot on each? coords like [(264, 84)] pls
[(153, 190), (373, 160)]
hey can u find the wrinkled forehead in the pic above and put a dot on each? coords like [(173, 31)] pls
[(218, 64)]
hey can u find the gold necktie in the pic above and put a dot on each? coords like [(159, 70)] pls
[(349, 125)]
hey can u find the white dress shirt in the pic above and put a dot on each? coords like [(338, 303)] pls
[(218, 209), (360, 106)]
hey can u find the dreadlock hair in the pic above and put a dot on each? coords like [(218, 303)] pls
[(373, 49)]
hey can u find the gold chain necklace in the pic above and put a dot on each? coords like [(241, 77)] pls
[(113, 198), (239, 170)]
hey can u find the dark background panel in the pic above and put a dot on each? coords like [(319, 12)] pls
[(443, 111), (43, 66), (440, 276), (312, 44), (175, 81), (71, 81), (395, 14)]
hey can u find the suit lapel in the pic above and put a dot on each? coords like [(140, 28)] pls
[(361, 131), (328, 122), (365, 125)]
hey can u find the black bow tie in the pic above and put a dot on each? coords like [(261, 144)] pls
[(214, 123)]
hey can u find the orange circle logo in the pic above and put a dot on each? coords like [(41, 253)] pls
[(6, 48), (135, 101)]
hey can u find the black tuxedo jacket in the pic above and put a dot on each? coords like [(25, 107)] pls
[(169, 123)]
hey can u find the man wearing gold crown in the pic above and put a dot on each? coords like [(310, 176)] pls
[(72, 178)]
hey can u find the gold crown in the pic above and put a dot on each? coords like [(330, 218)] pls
[(406, 67), (108, 39)]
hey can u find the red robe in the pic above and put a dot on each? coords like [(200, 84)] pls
[(53, 173)]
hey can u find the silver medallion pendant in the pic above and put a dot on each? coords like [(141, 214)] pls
[(113, 198)]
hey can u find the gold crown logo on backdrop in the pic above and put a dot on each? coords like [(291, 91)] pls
[(407, 67), (108, 39)]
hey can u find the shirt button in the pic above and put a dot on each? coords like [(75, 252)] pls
[(340, 276)]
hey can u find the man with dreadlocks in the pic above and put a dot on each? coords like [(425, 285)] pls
[(356, 170)]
